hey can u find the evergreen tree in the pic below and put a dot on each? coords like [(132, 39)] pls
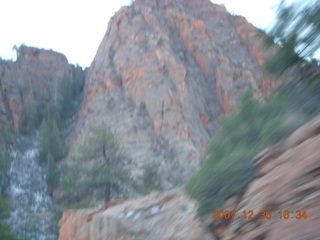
[(228, 166), (51, 144), (103, 178), (65, 100), (297, 31), (78, 82)]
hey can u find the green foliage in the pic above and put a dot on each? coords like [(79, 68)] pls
[(69, 91), (29, 228), (297, 31), (98, 171), (3, 171), (51, 149), (53, 177), (69, 94), (56, 218), (160, 41), (65, 100), (51, 143), (144, 44), (111, 63), (19, 51), (285, 58), (5, 231), (151, 179), (81, 204), (110, 103), (4, 208), (227, 168), (142, 106), (30, 115), (78, 83), (135, 12)]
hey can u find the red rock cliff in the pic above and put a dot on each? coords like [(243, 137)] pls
[(30, 81), (164, 73)]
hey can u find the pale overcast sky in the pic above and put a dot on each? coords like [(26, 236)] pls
[(76, 27)]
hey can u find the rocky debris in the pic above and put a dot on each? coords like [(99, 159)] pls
[(287, 179), (186, 62), (170, 215), (29, 82), (32, 209)]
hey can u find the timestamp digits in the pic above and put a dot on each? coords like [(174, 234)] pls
[(226, 214)]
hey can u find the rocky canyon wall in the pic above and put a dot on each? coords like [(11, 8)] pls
[(29, 82), (164, 73), (287, 180)]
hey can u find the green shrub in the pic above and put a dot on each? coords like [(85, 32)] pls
[(160, 41), (144, 44), (5, 231), (51, 143), (135, 12), (78, 83), (111, 63), (65, 99), (53, 176), (151, 179), (3, 171), (81, 204), (228, 168), (142, 106)]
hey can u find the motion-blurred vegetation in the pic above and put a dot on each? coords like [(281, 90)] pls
[(296, 31), (228, 168)]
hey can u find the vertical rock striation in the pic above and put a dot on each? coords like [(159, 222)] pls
[(163, 75)]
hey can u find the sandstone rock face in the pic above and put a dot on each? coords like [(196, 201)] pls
[(169, 215), (33, 79), (164, 73), (287, 180)]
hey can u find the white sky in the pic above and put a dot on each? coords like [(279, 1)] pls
[(76, 27)]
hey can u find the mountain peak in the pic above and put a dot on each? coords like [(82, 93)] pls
[(186, 62)]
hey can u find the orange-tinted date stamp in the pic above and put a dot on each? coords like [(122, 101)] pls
[(260, 215)]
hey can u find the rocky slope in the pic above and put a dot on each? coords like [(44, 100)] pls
[(28, 83), (163, 75), (170, 215), (287, 179), (26, 86)]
